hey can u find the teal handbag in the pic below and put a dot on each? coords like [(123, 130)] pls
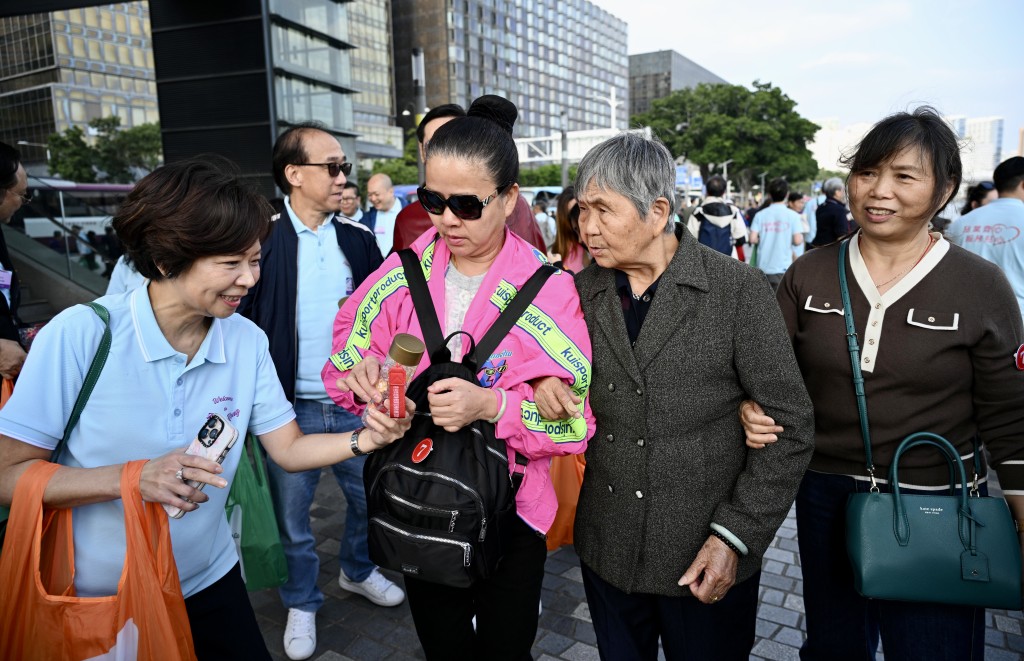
[(937, 548)]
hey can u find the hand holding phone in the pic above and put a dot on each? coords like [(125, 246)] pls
[(212, 441)]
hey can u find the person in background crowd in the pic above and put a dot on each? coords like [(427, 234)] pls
[(472, 167), (797, 202), (979, 195), (381, 218), (995, 230), (414, 220), (193, 228), (775, 231), (351, 202), (567, 252), (718, 223), (938, 328), (14, 187), (545, 222), (833, 220), (313, 258), (56, 242), (675, 513)]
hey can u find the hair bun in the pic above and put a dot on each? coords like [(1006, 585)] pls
[(497, 109)]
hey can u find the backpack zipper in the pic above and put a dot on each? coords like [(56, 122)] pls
[(472, 492), (467, 550), (426, 509)]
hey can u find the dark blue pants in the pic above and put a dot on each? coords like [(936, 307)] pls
[(628, 626), (841, 624), (223, 624)]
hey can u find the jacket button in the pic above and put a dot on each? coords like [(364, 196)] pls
[(611, 489), (611, 387), (610, 437), (640, 442), (639, 494), (639, 391)]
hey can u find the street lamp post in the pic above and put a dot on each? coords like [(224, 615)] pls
[(763, 175), (728, 184), (611, 101), (419, 84)]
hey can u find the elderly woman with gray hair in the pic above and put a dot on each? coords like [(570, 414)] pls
[(675, 513)]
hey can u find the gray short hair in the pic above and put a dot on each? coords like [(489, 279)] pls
[(639, 168), (831, 186)]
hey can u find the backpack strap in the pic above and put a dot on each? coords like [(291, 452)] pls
[(508, 318), (425, 312)]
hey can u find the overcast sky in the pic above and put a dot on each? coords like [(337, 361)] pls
[(857, 61)]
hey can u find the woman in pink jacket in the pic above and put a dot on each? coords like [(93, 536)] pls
[(472, 263)]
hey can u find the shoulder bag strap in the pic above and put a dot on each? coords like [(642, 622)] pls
[(854, 349), (425, 312), (508, 318), (98, 361)]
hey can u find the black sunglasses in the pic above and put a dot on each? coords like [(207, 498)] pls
[(332, 168), (465, 207)]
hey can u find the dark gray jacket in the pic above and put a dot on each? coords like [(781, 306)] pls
[(669, 458)]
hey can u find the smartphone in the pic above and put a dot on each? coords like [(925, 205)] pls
[(212, 441)]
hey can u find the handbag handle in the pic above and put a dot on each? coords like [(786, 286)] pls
[(966, 523)]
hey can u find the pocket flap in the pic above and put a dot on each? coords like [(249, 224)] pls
[(823, 305), (948, 321)]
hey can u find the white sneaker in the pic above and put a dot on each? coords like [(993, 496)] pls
[(376, 588), (300, 634)]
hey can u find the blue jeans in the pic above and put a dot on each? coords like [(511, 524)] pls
[(293, 496), (841, 624)]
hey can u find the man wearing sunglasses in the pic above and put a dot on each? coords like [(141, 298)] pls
[(351, 203), (13, 187), (313, 258)]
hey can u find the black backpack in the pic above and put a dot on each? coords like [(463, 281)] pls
[(711, 235), (439, 502)]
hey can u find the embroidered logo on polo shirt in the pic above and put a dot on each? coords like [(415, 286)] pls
[(1019, 357)]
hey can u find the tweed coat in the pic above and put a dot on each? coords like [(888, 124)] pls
[(669, 457)]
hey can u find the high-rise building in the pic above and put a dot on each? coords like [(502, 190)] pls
[(833, 141), (547, 57), (655, 75), (64, 68), (369, 30), (982, 150)]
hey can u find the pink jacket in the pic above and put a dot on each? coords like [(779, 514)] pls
[(550, 339)]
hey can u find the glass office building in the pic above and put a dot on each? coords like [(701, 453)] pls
[(369, 29), (656, 75), (65, 68), (546, 56)]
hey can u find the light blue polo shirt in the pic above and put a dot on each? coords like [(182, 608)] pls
[(147, 402), (324, 278), (775, 227)]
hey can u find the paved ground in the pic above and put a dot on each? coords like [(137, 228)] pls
[(351, 628)]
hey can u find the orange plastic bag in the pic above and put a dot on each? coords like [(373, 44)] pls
[(6, 390), (40, 616), (566, 477)]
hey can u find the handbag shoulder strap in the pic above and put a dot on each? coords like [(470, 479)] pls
[(854, 348), (98, 361), (509, 316)]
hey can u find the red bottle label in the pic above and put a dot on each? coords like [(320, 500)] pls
[(396, 392)]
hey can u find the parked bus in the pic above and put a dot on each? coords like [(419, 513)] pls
[(90, 206)]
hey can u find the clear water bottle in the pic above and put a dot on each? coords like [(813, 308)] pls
[(405, 352)]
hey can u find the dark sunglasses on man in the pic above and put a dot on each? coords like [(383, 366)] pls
[(465, 207), (333, 169)]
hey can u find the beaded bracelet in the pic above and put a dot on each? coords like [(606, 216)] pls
[(725, 540)]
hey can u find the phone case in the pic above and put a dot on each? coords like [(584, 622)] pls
[(213, 440)]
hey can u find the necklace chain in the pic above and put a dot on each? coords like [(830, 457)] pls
[(931, 240)]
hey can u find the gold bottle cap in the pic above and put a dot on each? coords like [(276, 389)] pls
[(407, 349)]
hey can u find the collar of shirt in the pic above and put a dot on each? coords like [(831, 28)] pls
[(634, 308), (298, 224), (154, 345)]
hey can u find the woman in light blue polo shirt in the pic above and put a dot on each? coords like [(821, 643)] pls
[(179, 354)]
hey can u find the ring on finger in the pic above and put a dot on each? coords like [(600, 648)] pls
[(180, 474), (714, 598)]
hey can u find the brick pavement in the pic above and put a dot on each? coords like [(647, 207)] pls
[(350, 628)]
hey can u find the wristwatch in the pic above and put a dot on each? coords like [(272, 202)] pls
[(354, 444)]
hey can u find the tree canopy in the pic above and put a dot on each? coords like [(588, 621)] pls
[(116, 155), (758, 129)]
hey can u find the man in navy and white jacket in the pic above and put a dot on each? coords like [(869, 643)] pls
[(311, 260)]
